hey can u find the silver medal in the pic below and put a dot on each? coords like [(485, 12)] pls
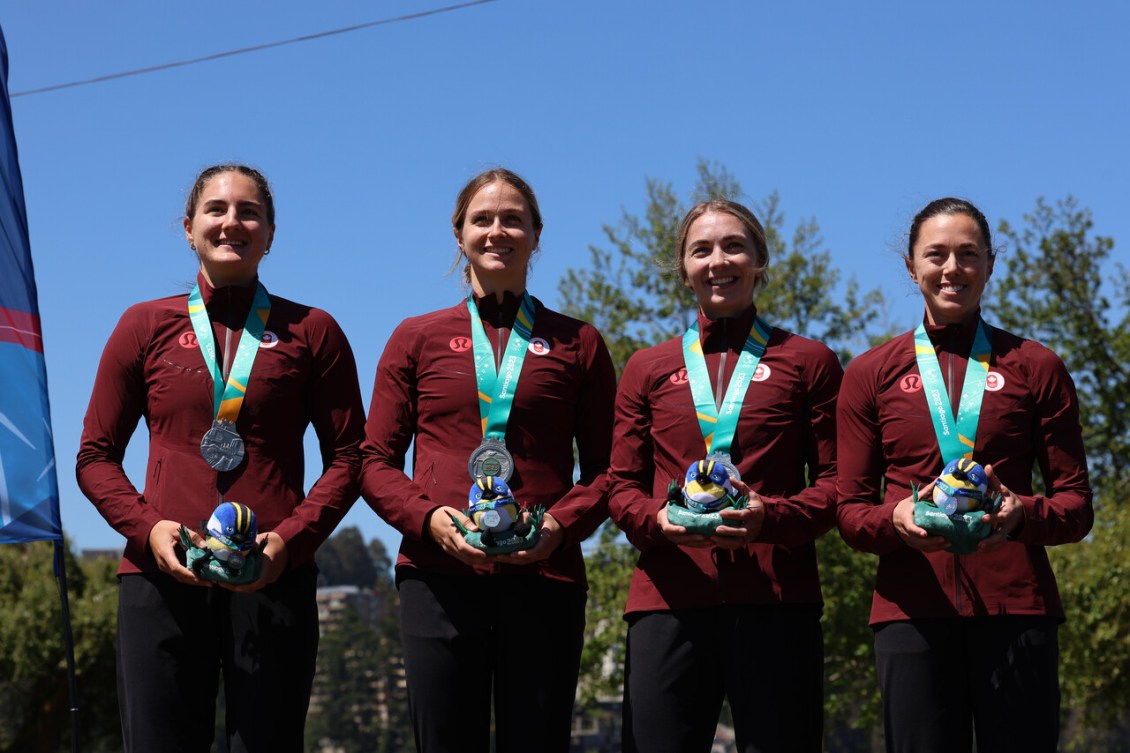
[(222, 447), (491, 458)]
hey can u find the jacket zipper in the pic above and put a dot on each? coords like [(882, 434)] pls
[(956, 557), (722, 365), (721, 557), (497, 340)]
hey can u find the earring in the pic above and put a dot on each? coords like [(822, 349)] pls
[(267, 252)]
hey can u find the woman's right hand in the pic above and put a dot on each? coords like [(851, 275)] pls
[(678, 534), (164, 538), (441, 527), (918, 538)]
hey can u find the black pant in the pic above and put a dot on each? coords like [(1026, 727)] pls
[(768, 660), (516, 638), (941, 678), (173, 641)]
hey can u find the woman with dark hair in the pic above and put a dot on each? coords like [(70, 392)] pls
[(227, 379), (964, 643), (496, 386), (734, 613)]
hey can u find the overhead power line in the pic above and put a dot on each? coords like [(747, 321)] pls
[(245, 50)]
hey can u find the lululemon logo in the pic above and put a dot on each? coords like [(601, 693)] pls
[(538, 346), (994, 381), (911, 383), (761, 373), (460, 344), (269, 339), (679, 377), (188, 340)]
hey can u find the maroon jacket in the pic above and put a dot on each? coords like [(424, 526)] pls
[(152, 367), (425, 391), (785, 436), (1029, 418)]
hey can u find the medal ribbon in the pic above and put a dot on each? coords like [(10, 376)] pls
[(227, 397), (497, 386), (955, 438), (718, 425)]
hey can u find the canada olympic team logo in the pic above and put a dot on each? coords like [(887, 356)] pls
[(269, 339), (538, 346), (460, 344), (994, 381), (761, 373)]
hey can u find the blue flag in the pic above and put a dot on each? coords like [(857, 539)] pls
[(29, 490)]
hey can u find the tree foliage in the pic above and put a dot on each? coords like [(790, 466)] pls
[(362, 700), (34, 698), (343, 560), (1052, 285), (1094, 651), (1053, 290), (348, 717), (609, 564)]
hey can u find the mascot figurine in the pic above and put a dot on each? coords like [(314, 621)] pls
[(230, 553), (705, 492), (502, 526), (961, 497)]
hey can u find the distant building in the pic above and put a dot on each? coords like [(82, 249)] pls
[(333, 600), (97, 554)]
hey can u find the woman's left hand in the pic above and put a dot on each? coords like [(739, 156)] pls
[(549, 538), (274, 558), (1007, 519), (742, 526)]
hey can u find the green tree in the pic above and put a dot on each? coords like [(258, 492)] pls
[(344, 560), (1052, 285), (362, 702), (34, 697), (1053, 289), (632, 295), (1094, 652), (609, 562), (347, 717)]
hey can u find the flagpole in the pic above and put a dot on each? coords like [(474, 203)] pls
[(68, 641)]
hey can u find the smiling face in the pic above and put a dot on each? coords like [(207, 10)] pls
[(497, 236), (950, 263), (721, 264), (229, 229)]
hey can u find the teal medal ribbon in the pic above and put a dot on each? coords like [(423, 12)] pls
[(956, 438), (496, 388), (222, 447), (718, 423)]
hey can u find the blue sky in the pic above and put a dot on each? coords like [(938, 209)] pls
[(858, 114)]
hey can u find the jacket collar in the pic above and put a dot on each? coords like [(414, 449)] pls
[(957, 338), (498, 313), (228, 304), (730, 332)]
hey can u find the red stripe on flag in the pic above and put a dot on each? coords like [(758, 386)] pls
[(21, 328)]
